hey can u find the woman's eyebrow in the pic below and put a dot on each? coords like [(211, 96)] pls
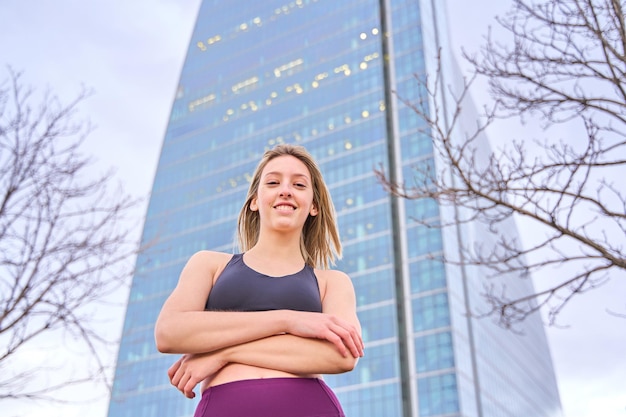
[(297, 175)]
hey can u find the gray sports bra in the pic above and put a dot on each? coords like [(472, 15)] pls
[(240, 288)]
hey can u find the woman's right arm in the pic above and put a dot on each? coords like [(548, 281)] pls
[(184, 327)]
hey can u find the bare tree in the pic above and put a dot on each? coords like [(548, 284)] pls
[(565, 66), (64, 243)]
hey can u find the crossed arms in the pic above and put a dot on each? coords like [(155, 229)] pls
[(302, 343)]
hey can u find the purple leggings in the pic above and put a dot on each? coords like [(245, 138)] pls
[(272, 397)]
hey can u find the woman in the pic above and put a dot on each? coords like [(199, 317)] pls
[(258, 329)]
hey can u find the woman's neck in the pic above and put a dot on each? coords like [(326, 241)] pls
[(280, 246), (274, 260)]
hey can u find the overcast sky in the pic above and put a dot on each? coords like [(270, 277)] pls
[(131, 52)]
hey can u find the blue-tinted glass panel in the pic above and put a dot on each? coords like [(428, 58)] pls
[(379, 363), (434, 352), (427, 275), (372, 401), (437, 395), (374, 286), (430, 312), (423, 240), (379, 322)]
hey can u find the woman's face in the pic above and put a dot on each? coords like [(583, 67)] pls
[(284, 199)]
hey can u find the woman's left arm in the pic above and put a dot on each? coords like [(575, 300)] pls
[(299, 355)]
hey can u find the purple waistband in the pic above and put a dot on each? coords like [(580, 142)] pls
[(271, 397)]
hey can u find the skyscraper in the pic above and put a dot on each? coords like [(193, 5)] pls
[(322, 73)]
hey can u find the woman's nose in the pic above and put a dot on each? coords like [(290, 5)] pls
[(285, 190)]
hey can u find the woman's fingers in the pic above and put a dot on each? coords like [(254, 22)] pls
[(189, 386), (190, 370), (172, 372), (344, 336), (336, 340), (350, 336), (180, 377), (341, 333), (185, 382), (347, 340)]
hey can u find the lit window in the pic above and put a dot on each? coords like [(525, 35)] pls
[(371, 57), (245, 84), (201, 101), (343, 68), (214, 39), (288, 67)]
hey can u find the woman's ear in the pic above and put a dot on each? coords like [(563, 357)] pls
[(313, 211), (253, 205)]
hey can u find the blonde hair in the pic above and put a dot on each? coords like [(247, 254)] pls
[(319, 242)]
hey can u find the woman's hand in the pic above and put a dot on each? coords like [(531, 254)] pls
[(344, 335), (192, 369)]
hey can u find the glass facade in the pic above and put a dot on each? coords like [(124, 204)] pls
[(314, 72)]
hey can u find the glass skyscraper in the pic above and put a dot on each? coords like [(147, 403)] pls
[(322, 73)]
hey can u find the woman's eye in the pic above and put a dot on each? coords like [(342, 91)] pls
[(300, 185)]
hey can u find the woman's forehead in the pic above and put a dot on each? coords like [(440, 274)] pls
[(286, 164)]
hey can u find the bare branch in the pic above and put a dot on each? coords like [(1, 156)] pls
[(566, 64), (65, 241)]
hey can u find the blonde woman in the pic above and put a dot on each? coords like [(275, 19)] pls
[(259, 328)]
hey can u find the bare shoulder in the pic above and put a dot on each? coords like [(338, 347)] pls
[(331, 274), (196, 281), (210, 257), (205, 263), (338, 296), (332, 280)]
